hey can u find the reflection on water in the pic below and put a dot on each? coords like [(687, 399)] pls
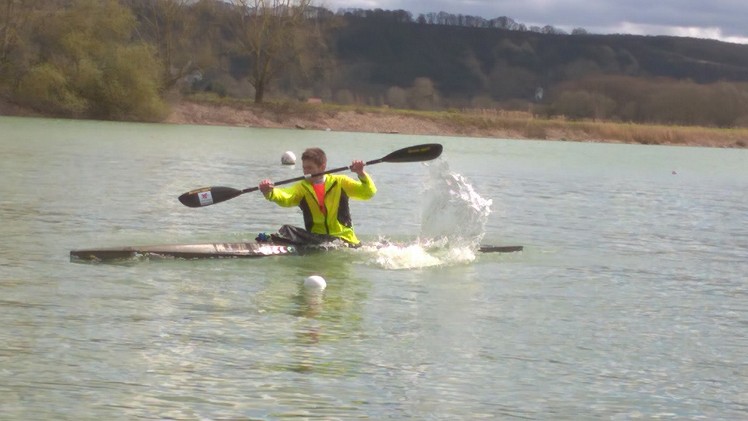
[(627, 302)]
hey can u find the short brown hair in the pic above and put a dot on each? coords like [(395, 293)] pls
[(315, 155)]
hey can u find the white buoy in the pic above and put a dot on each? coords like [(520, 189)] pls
[(288, 158), (315, 282)]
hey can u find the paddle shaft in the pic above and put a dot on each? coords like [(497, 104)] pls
[(303, 177)]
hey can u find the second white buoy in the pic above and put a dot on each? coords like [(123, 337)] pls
[(316, 282), (288, 158)]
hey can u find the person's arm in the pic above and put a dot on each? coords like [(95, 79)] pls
[(357, 166), (266, 186), (364, 187), (287, 197)]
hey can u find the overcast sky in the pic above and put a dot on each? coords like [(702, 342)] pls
[(726, 20)]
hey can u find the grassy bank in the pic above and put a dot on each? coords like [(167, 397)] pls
[(213, 110), (478, 123), (558, 129)]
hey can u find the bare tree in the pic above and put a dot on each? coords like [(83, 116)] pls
[(164, 23), (270, 33), (15, 18), (8, 27), (423, 94)]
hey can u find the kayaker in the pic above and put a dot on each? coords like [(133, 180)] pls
[(323, 200)]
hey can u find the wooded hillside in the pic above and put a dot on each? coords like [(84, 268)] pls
[(124, 59)]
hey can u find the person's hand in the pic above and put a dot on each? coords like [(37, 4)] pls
[(266, 186), (357, 166)]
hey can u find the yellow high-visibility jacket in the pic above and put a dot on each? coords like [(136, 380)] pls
[(338, 189)]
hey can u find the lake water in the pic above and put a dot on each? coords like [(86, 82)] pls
[(629, 301)]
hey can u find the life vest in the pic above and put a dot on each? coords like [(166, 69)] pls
[(338, 190)]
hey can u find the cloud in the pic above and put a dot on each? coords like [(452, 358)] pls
[(718, 19)]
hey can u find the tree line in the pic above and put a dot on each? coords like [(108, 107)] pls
[(451, 19), (127, 59), (77, 59)]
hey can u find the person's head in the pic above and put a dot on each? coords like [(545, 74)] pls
[(313, 161)]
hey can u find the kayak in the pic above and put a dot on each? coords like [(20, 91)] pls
[(254, 249), (189, 251)]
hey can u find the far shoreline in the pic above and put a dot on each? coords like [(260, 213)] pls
[(489, 124), (495, 124)]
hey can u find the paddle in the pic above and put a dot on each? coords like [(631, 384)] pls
[(211, 195)]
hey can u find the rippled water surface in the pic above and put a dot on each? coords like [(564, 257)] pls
[(629, 301)]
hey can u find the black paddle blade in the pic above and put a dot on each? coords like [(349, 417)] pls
[(500, 249), (425, 152), (207, 196)]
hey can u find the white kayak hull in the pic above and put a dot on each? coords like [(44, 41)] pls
[(218, 250)]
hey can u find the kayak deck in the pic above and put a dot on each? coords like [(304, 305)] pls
[(188, 251), (217, 251)]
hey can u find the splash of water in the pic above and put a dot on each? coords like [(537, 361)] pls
[(452, 225), (454, 211), (416, 255)]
